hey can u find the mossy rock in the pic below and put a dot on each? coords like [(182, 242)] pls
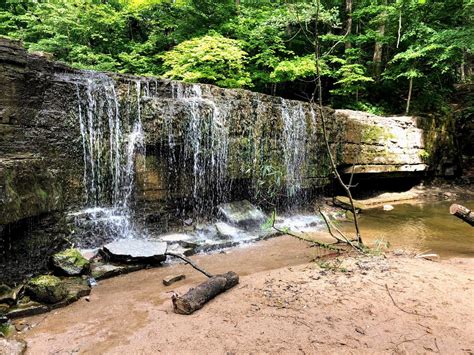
[(70, 262), (47, 289)]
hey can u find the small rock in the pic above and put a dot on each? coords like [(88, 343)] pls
[(188, 221), (360, 330), (21, 326), (70, 262), (12, 346), (169, 280), (91, 282), (136, 251), (388, 207), (226, 231), (89, 254), (242, 213), (46, 288), (178, 249), (88, 299)]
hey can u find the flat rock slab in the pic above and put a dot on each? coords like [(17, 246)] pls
[(136, 251), (242, 213), (27, 309), (101, 271)]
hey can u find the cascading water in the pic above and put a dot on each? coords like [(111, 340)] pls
[(294, 144), (195, 140), (205, 146), (110, 142)]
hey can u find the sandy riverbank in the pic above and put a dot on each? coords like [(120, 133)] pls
[(285, 303)]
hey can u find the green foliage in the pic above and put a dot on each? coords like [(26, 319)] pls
[(267, 45), (209, 59), (299, 68), (268, 181)]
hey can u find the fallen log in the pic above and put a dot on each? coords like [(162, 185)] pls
[(463, 213), (195, 298)]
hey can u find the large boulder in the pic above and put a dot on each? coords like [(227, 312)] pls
[(70, 262), (47, 289), (242, 213), (136, 251)]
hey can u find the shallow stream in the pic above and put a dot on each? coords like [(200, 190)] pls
[(426, 226)]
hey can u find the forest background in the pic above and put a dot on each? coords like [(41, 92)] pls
[(376, 55)]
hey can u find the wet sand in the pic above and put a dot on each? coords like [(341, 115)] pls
[(285, 303)]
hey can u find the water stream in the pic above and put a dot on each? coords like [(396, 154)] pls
[(112, 135), (205, 146), (294, 144), (424, 226)]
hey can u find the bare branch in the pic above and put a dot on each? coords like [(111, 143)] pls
[(190, 262)]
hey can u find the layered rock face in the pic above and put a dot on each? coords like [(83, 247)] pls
[(198, 138), (375, 144), (118, 144)]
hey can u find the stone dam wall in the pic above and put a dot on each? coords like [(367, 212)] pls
[(237, 135)]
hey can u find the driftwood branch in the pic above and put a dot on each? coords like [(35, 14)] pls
[(463, 213), (197, 297), (300, 237), (190, 262), (343, 236), (403, 310)]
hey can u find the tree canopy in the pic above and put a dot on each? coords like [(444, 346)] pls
[(375, 54)]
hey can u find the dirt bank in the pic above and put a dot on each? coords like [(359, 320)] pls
[(285, 303)]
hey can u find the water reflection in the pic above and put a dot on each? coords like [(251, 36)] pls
[(425, 226)]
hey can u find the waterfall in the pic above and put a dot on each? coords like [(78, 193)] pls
[(205, 146), (294, 144), (111, 136)]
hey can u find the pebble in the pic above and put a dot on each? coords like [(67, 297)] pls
[(169, 280)]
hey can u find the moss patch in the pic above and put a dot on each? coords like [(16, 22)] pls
[(46, 288), (70, 262)]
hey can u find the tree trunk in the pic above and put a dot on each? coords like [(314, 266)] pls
[(410, 88), (197, 297), (399, 32), (347, 43), (378, 49), (462, 212), (463, 63)]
